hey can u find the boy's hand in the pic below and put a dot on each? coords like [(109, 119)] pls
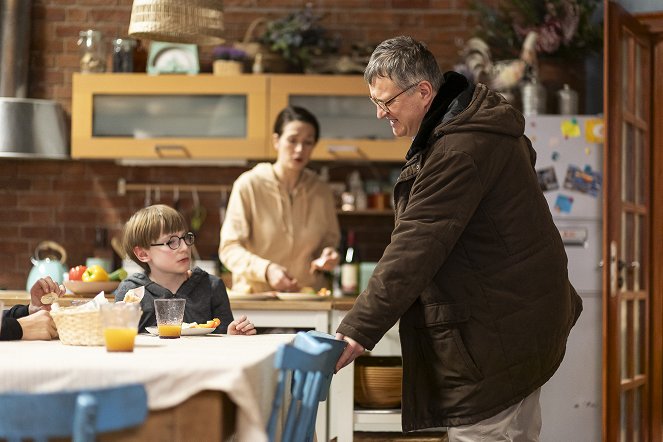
[(241, 326)]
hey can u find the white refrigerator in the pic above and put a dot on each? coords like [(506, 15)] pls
[(569, 166)]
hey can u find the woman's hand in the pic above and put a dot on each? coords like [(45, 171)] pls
[(279, 279), (327, 261), (38, 326), (42, 287), (241, 326)]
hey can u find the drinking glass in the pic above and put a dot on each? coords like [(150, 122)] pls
[(170, 314), (120, 324)]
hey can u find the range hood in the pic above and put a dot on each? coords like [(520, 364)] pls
[(28, 127), (31, 128)]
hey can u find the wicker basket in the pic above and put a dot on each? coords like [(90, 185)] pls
[(178, 21), (78, 327), (379, 385)]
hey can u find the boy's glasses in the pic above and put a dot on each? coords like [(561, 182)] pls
[(384, 105), (174, 242)]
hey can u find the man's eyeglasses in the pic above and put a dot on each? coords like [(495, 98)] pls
[(174, 242), (384, 105)]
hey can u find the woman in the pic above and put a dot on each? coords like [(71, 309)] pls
[(281, 229)]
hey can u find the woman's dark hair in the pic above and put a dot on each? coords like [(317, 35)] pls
[(295, 113)]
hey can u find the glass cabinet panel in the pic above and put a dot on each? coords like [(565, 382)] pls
[(349, 128), (169, 116)]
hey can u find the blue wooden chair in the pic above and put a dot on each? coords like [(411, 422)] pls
[(77, 414), (309, 364)]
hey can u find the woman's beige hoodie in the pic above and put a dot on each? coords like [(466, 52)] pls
[(265, 224)]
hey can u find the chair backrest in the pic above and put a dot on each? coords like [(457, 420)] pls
[(78, 414), (308, 363)]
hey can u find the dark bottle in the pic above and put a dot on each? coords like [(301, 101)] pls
[(140, 57), (350, 268)]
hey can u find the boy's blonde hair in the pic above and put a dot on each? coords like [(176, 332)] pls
[(147, 225)]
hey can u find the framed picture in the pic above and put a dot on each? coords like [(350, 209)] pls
[(173, 58)]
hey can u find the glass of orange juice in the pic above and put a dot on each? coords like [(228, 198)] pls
[(170, 314), (120, 325)]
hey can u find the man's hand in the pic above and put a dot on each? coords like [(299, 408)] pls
[(352, 351), (38, 326), (42, 287), (279, 279), (241, 326), (327, 261)]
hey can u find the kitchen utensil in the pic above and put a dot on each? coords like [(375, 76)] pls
[(48, 260)]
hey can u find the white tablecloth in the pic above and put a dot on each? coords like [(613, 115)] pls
[(172, 370)]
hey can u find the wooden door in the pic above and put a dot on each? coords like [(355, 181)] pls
[(627, 230)]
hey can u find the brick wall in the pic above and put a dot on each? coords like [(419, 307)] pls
[(65, 201)]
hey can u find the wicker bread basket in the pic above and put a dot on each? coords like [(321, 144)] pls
[(78, 327), (378, 382)]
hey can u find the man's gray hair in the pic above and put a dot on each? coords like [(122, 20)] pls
[(405, 61)]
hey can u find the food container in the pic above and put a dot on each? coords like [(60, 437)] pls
[(378, 382)]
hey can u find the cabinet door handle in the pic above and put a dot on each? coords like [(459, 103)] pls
[(171, 151), (340, 150)]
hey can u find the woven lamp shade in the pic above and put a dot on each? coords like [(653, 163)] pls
[(177, 21)]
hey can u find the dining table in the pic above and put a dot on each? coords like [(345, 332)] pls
[(206, 387)]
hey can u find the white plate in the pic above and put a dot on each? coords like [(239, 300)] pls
[(185, 331), (250, 296), (300, 297)]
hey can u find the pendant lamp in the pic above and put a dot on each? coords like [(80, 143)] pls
[(178, 21)]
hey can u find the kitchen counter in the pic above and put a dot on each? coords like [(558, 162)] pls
[(13, 297)]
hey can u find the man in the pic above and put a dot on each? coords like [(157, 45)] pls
[(476, 271), (32, 322)]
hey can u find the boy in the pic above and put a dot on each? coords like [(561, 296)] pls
[(156, 239)]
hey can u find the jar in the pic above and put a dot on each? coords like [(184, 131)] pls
[(567, 100), (93, 56), (533, 96), (123, 54)]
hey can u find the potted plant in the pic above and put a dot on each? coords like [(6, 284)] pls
[(298, 37), (228, 60)]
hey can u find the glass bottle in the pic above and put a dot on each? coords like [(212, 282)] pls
[(123, 54), (350, 268), (140, 57), (93, 56)]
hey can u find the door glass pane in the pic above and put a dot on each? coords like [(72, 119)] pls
[(625, 78), (623, 403), (640, 171), (344, 117), (637, 414), (640, 336), (627, 162), (170, 116), (636, 259), (640, 260), (623, 339), (628, 241), (637, 78)]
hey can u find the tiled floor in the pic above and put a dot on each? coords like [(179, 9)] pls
[(384, 437)]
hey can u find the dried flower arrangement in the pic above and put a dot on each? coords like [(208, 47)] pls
[(565, 28)]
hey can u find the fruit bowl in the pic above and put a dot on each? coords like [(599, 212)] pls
[(91, 288)]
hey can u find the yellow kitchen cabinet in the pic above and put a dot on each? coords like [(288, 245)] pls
[(169, 116), (349, 129)]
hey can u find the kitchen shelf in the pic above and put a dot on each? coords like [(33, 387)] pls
[(377, 420)]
